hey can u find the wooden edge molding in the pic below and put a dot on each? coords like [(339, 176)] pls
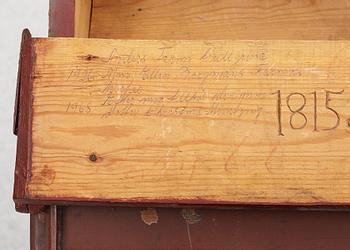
[(43, 203), (25, 37), (22, 123)]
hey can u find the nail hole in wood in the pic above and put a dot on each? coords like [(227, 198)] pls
[(93, 157)]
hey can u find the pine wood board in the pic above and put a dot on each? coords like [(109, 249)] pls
[(82, 18), (221, 19), (207, 122)]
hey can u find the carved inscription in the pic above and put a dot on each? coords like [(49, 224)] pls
[(205, 84), (297, 113), (133, 92)]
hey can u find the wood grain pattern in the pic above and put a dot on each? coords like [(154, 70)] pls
[(82, 16), (249, 122), (221, 19)]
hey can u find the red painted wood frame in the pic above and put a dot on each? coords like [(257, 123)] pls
[(84, 226)]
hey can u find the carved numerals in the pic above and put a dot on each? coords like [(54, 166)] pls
[(296, 111)]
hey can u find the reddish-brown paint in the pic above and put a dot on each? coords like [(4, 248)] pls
[(23, 121), (61, 18), (170, 202), (43, 229), (110, 228)]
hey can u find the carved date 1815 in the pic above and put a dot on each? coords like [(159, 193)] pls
[(297, 117)]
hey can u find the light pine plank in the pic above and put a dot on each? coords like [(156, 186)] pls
[(221, 19), (191, 121), (82, 18)]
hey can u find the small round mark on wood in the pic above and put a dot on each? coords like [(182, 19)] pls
[(348, 121), (93, 157), (149, 216), (190, 215), (139, 9)]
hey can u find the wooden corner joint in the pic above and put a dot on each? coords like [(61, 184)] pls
[(29, 208), (22, 122)]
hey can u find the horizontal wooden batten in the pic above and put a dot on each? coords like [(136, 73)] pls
[(196, 122)]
